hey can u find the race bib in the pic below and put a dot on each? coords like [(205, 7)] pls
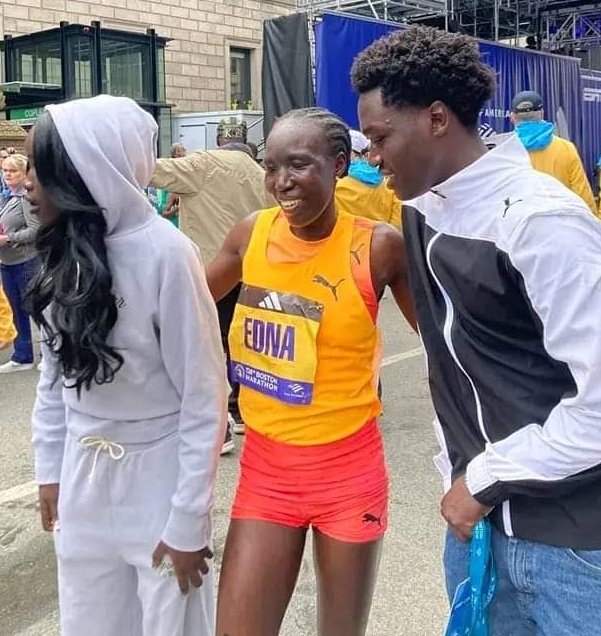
[(273, 344)]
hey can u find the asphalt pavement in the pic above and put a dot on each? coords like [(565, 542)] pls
[(409, 598)]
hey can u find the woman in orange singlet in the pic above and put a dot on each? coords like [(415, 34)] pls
[(305, 349)]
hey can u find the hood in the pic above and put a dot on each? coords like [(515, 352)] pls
[(362, 171), (535, 135), (112, 144)]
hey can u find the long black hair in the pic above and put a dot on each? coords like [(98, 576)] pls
[(72, 297)]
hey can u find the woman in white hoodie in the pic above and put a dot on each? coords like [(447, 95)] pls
[(130, 411)]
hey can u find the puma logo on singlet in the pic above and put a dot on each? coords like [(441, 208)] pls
[(369, 518), (320, 280), (355, 253), (509, 204)]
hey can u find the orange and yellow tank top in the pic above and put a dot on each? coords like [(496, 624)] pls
[(303, 342)]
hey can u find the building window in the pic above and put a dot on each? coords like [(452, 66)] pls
[(126, 69), (81, 69), (40, 63), (240, 78)]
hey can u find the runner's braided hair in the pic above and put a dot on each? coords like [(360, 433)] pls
[(335, 130), (75, 283), (420, 65)]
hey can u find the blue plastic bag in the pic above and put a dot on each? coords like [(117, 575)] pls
[(469, 611)]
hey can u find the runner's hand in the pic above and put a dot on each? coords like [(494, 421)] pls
[(48, 497), (189, 566)]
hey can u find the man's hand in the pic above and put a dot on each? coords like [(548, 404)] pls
[(188, 566), (461, 511), (4, 240), (48, 496)]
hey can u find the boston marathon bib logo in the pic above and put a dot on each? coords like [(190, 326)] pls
[(273, 344)]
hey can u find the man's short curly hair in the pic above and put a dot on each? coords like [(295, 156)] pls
[(420, 65)]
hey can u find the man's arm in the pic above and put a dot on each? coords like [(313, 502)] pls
[(579, 182), (181, 176), (225, 270), (559, 258), (389, 268)]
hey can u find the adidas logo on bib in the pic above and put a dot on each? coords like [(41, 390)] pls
[(271, 301)]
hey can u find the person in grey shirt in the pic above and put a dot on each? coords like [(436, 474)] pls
[(18, 258)]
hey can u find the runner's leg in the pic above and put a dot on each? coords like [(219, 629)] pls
[(260, 567), (346, 576)]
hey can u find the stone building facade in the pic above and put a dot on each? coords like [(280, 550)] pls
[(214, 59)]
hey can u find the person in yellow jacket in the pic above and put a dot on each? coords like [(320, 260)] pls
[(7, 328), (548, 152), (364, 191)]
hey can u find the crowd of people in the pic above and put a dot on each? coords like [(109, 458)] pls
[(496, 268)]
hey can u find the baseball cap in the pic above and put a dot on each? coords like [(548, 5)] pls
[(359, 142), (232, 128), (527, 102)]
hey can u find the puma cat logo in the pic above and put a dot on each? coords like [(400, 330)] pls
[(369, 518), (320, 280), (509, 204), (355, 253)]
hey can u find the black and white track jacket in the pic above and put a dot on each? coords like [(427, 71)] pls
[(505, 270)]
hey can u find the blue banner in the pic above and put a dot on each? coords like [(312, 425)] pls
[(556, 78), (340, 38), (591, 120)]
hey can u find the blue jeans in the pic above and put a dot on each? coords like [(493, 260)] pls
[(15, 280), (542, 590)]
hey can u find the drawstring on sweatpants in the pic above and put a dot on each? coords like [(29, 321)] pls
[(102, 445)]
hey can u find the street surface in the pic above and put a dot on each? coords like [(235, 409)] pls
[(409, 598)]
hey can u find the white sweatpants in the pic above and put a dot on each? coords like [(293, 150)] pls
[(111, 517)]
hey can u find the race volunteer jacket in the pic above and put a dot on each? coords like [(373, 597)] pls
[(505, 269)]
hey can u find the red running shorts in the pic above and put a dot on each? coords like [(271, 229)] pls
[(340, 488)]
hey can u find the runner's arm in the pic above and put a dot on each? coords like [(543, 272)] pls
[(194, 360), (389, 268), (224, 272), (559, 258)]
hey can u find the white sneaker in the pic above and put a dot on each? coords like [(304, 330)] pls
[(13, 367), (236, 424), (229, 446)]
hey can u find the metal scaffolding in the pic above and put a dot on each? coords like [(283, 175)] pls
[(554, 24), (391, 10), (568, 27)]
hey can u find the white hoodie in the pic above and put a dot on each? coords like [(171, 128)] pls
[(173, 377)]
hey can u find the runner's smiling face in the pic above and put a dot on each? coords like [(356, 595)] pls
[(301, 172)]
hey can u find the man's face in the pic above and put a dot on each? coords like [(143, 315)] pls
[(405, 143)]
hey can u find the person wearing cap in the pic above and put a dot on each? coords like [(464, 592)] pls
[(364, 191), (216, 189), (548, 152), (231, 130)]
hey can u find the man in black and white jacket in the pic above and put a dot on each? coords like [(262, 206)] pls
[(505, 272)]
